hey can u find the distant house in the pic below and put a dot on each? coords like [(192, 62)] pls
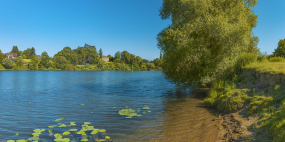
[(39, 56), (11, 56), (105, 58)]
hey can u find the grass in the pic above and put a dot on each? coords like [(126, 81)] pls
[(224, 96), (268, 67), (27, 60)]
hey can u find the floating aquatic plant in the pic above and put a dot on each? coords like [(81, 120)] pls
[(130, 112), (59, 137), (145, 107), (59, 119)]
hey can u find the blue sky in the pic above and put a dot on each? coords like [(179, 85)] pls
[(113, 25)]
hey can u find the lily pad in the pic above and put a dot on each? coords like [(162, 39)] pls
[(66, 133), (52, 126), (21, 140), (86, 123), (16, 134), (59, 119), (72, 130), (62, 125), (145, 107), (94, 132), (102, 130), (107, 137)]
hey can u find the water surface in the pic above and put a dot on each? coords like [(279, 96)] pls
[(35, 99)]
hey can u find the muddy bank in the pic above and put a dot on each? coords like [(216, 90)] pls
[(189, 121)]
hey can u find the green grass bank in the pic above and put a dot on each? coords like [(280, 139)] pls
[(257, 92)]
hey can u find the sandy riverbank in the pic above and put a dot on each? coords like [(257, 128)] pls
[(189, 121)]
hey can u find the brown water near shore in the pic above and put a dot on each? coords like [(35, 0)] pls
[(189, 121)]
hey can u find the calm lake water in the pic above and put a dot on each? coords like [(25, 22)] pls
[(35, 99)]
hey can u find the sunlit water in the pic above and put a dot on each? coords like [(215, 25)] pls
[(35, 99)]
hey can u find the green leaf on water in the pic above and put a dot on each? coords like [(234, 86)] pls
[(145, 107), (102, 130), (66, 133), (50, 131), (59, 119), (81, 132), (85, 140), (21, 140), (62, 125), (107, 137), (10, 141), (72, 130), (149, 111), (94, 132), (52, 126), (57, 135), (86, 123), (66, 140), (82, 104), (16, 134)]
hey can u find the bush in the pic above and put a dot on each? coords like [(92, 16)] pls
[(261, 57), (276, 59), (8, 63), (24, 57)]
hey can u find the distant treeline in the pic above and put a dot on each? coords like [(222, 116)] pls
[(81, 58)]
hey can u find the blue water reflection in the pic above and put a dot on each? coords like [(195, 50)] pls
[(34, 99)]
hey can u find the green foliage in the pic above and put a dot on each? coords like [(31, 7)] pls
[(276, 59), (33, 51), (2, 56), (45, 62), (24, 57), (19, 61), (158, 62), (33, 65), (8, 63), (150, 66), (204, 38), (111, 58), (15, 50), (27, 53), (280, 50), (117, 55), (61, 62), (262, 57), (100, 53)]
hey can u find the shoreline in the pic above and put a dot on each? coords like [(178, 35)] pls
[(237, 126)]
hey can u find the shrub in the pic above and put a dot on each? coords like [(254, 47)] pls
[(276, 59), (8, 63), (261, 57), (24, 57)]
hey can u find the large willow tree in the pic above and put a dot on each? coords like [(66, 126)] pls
[(205, 38)]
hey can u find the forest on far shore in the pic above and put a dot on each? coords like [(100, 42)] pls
[(81, 58)]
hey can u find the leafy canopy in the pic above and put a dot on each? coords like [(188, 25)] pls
[(205, 37), (280, 50)]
